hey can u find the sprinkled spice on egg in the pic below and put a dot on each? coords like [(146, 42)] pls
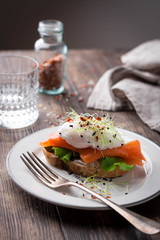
[(83, 119), (94, 131)]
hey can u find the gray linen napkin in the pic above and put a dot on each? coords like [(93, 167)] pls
[(133, 85)]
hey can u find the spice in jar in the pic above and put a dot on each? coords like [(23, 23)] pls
[(51, 72)]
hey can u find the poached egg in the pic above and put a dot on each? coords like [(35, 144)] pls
[(83, 131)]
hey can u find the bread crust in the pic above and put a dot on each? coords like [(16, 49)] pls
[(80, 168)]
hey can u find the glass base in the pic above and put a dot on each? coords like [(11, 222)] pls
[(52, 91), (13, 121)]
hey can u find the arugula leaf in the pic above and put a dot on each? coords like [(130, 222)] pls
[(109, 164), (63, 153)]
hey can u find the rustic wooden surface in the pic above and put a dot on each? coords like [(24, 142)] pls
[(24, 217)]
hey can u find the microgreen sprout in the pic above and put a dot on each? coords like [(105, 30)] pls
[(101, 129), (106, 187)]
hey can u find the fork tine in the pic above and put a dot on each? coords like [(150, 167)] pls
[(35, 172), (46, 167), (40, 171), (42, 166)]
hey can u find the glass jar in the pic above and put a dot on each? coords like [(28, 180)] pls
[(51, 53)]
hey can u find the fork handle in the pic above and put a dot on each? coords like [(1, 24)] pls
[(142, 223)]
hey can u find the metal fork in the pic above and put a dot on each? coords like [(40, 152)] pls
[(53, 180)]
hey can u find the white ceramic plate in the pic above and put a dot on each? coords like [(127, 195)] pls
[(137, 186)]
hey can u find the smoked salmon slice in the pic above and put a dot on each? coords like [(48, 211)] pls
[(56, 141), (130, 152)]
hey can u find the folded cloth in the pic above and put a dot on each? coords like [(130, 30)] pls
[(133, 85)]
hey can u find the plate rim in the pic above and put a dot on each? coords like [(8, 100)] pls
[(100, 207)]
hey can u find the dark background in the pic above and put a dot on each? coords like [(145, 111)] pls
[(107, 24)]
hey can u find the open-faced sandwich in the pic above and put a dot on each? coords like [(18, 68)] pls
[(88, 145)]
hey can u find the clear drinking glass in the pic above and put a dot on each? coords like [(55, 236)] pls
[(19, 87)]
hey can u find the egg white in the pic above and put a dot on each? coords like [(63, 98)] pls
[(83, 137)]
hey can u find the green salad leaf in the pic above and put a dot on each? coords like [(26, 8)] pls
[(64, 154), (109, 164)]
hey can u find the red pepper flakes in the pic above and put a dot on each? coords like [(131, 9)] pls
[(93, 197), (84, 85), (63, 193), (58, 97), (96, 138), (98, 118), (83, 119), (72, 94), (108, 197), (80, 99), (92, 187), (51, 72), (69, 120)]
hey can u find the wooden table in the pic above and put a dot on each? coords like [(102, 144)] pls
[(24, 217)]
